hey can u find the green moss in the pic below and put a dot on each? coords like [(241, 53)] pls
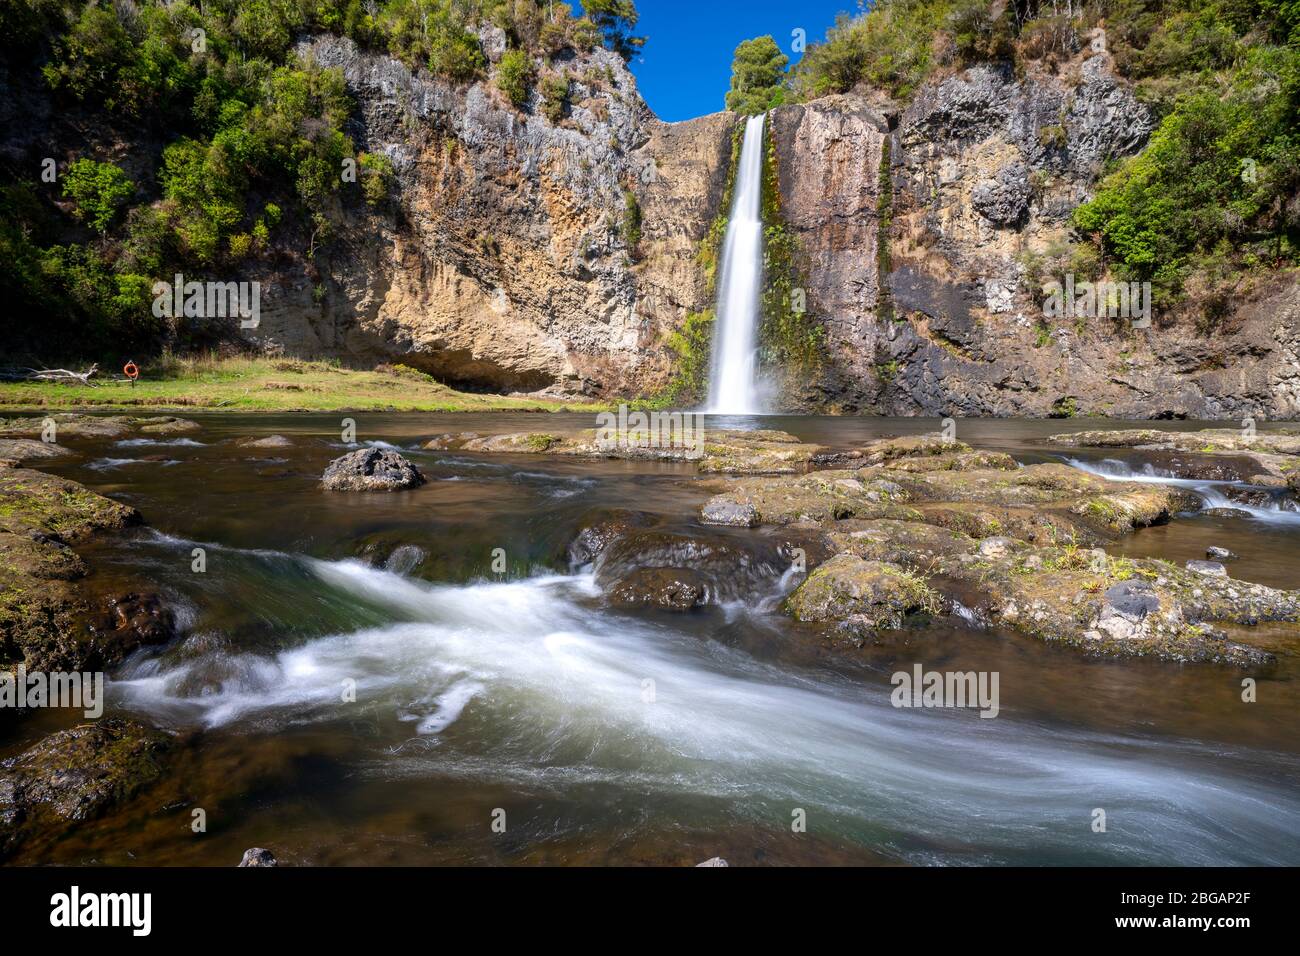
[(692, 346), (884, 220), (790, 336)]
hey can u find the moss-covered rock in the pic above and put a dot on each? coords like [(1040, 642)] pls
[(1208, 440), (860, 594), (76, 775), (1118, 606), (815, 497), (716, 451)]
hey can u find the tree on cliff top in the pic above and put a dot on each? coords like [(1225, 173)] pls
[(757, 77), (616, 19)]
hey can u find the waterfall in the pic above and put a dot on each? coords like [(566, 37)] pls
[(732, 378)]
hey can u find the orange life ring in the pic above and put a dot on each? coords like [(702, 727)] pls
[(131, 371)]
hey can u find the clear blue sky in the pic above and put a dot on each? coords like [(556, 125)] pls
[(685, 69)]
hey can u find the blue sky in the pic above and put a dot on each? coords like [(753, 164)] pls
[(685, 69)]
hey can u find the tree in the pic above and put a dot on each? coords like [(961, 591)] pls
[(99, 190), (616, 19), (757, 77)]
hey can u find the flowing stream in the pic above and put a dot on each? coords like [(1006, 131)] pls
[(733, 386), (355, 684)]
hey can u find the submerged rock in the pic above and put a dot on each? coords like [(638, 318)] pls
[(270, 441), (723, 511), (371, 469), (1215, 553), (670, 589), (1208, 567), (77, 774)]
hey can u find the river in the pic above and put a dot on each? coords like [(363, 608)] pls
[(356, 683)]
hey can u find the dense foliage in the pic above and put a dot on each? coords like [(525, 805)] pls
[(235, 145), (757, 77)]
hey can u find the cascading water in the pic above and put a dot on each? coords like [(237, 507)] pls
[(732, 378)]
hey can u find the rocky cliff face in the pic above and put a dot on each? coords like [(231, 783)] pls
[(504, 263), (984, 171)]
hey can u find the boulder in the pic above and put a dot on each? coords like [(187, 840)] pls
[(371, 469), (866, 594), (669, 589), (258, 856), (1213, 568), (1215, 553), (76, 775)]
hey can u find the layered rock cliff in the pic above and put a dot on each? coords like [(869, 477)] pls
[(505, 263), (984, 171)]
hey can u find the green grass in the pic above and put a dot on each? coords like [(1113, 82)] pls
[(272, 385)]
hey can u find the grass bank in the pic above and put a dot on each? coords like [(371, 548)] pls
[(272, 385)]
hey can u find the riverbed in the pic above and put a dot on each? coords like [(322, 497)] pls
[(423, 677)]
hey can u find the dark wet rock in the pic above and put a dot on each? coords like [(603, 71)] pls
[(598, 528), (714, 861), (670, 589), (729, 568), (270, 441), (1131, 601), (371, 469), (133, 620), (1251, 497), (1213, 568), (258, 856), (19, 450), (860, 594), (1215, 553), (1225, 513), (76, 775)]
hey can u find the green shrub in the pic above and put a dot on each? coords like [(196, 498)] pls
[(514, 76), (98, 191)]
